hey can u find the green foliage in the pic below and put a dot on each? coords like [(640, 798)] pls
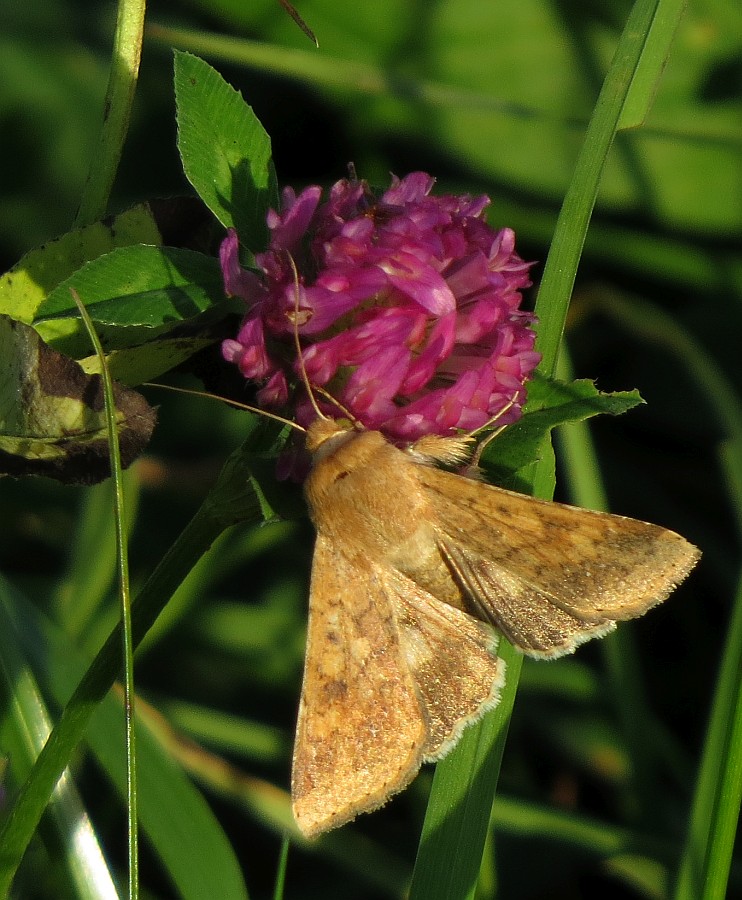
[(225, 151), (604, 749)]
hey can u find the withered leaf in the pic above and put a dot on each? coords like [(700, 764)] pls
[(52, 415)]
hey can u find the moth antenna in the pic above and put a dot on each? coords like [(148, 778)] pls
[(297, 342), (308, 386), (343, 409), (235, 403), (482, 446)]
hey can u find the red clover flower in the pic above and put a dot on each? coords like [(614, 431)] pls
[(407, 309)]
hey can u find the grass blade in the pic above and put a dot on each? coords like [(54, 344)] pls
[(704, 866), (26, 715), (448, 834), (122, 559)]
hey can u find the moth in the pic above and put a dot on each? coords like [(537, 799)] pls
[(415, 571)]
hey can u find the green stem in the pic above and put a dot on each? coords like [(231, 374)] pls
[(27, 715), (574, 217), (125, 57), (458, 814), (620, 655), (278, 891), (704, 867)]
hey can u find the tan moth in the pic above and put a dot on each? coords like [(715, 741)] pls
[(417, 569), (412, 565)]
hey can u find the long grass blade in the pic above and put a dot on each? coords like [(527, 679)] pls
[(122, 557), (447, 834)]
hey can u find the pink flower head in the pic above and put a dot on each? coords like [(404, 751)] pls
[(406, 307)]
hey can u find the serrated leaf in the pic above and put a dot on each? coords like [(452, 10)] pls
[(52, 415), (575, 401), (133, 295), (550, 403), (24, 287), (226, 152)]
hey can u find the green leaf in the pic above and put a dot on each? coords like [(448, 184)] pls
[(146, 362), (652, 64), (227, 732), (225, 150), (550, 403), (641, 873), (458, 813), (519, 817), (24, 287), (134, 295), (52, 418)]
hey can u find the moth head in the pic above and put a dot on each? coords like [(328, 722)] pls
[(338, 450), (325, 435)]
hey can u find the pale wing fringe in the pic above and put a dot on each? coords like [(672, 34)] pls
[(453, 661), (530, 619)]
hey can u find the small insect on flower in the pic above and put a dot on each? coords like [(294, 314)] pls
[(406, 308)]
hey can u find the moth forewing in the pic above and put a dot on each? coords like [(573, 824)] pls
[(361, 730), (548, 575)]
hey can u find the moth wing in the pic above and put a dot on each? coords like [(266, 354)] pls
[(452, 659), (362, 728), (550, 576)]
